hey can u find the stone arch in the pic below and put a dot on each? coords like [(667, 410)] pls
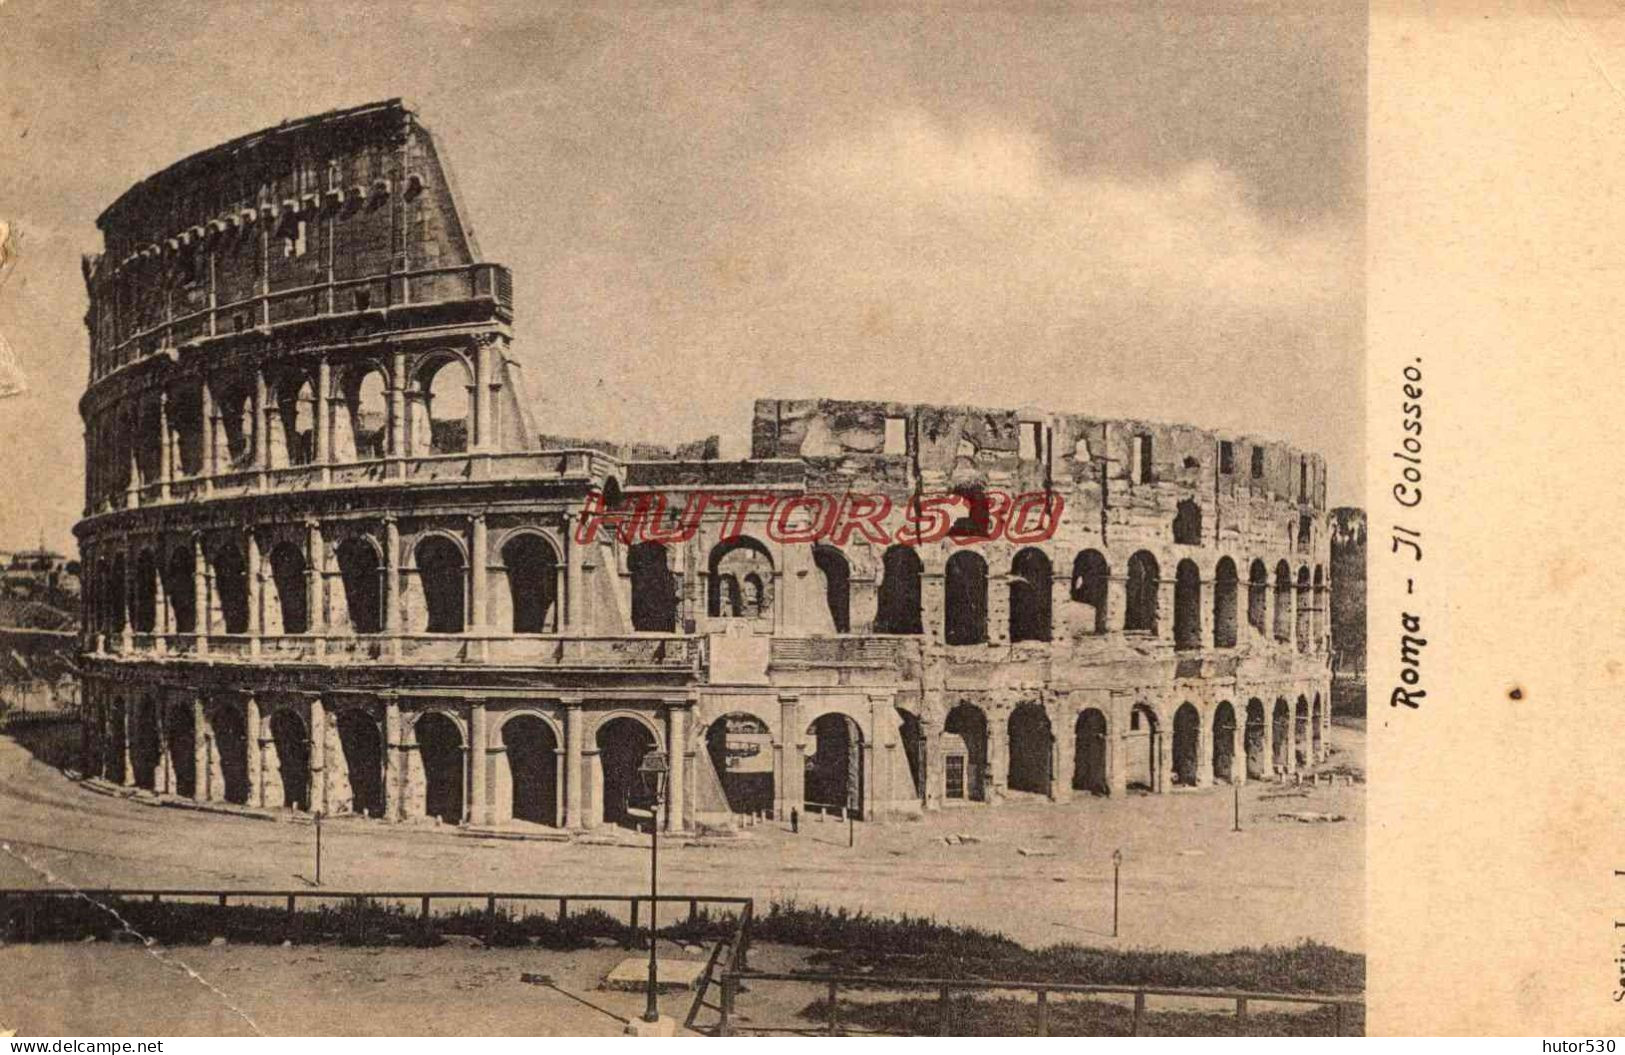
[(116, 746), (533, 569), (291, 741), (1258, 589), (443, 758), (288, 576), (531, 748), (1224, 603), (235, 407), (1091, 578), (362, 744), (144, 605), (654, 588), (231, 586), (230, 732), (441, 406), (1089, 752), (1224, 742), (361, 573), (1283, 602), (1032, 745), (898, 601), (1302, 627), (622, 739), (1300, 733), (1281, 726), (363, 418), (1255, 741), (442, 578), (296, 420), (967, 723), (965, 600), (181, 590), (1187, 605), (180, 743), (1030, 577), (1143, 581), (739, 746), (834, 768), (1187, 744), (117, 602), (1143, 749), (1316, 728), (732, 562), (836, 572), (145, 745)]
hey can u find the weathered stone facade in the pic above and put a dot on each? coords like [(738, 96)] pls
[(330, 561)]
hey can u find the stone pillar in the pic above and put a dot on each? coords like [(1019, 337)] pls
[(933, 604), (1269, 739), (1116, 603), (392, 584), (397, 404), (1165, 605), (477, 811), (573, 813), (318, 755), (127, 631), (129, 732), (1204, 749), (251, 730), (1163, 754), (1116, 773), (1291, 738), (164, 779), (882, 748), (786, 774), (477, 561), (1238, 749), (572, 580), (211, 458), (323, 427), (315, 565), (677, 755), (166, 445), (931, 761), (998, 753), (393, 805), (1063, 752), (202, 606), (480, 441), (203, 789), (262, 430)]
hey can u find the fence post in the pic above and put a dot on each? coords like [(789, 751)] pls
[(693, 910), (564, 908), (1241, 1011), (490, 917), (1043, 1013), (945, 1013), (1139, 1012), (632, 932), (834, 1009), (223, 900), (727, 1004), (424, 908)]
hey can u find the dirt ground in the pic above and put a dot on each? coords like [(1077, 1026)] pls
[(1188, 882)]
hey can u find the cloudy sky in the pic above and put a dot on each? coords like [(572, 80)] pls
[(1117, 208)]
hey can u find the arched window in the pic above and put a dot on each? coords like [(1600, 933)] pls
[(144, 611), (186, 425), (1224, 604), (733, 566), (533, 584), (362, 575), (1090, 576), (1030, 596), (288, 574), (1303, 620), (898, 609), (1143, 580), (441, 576), (1320, 608), (366, 400), (236, 409), (296, 405), (441, 423), (1258, 589), (654, 588), (837, 574), (231, 587), (181, 590), (1187, 605), (965, 602), (1283, 602), (1188, 524)]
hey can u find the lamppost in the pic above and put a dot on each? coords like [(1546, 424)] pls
[(652, 772)]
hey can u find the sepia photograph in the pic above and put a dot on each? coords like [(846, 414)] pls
[(683, 519)]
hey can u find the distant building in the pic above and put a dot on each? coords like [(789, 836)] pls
[(1348, 526), (41, 575)]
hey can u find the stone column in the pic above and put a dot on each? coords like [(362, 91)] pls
[(202, 609), (573, 814), (1116, 603), (393, 806), (572, 579), (211, 459), (397, 405), (127, 631), (477, 561), (1164, 758), (786, 778), (251, 729), (323, 427), (1291, 737), (392, 584), (480, 441), (677, 755), (164, 778), (129, 731), (1269, 739), (203, 789), (256, 617), (477, 811), (1116, 774), (315, 565), (1204, 749), (166, 445), (1063, 753), (262, 430), (318, 755), (883, 749), (1238, 749), (931, 762), (998, 753)]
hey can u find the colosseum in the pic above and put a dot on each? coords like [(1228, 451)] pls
[(334, 564)]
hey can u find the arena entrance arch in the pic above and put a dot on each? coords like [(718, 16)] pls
[(1143, 749), (1300, 739), (231, 747), (363, 749), (1257, 750), (182, 746), (1282, 721), (1089, 753), (964, 754), (1316, 721), (113, 758), (1031, 748), (144, 746), (440, 748), (292, 758), (1187, 744), (740, 747), (834, 774), (532, 751), (1224, 743), (622, 743)]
